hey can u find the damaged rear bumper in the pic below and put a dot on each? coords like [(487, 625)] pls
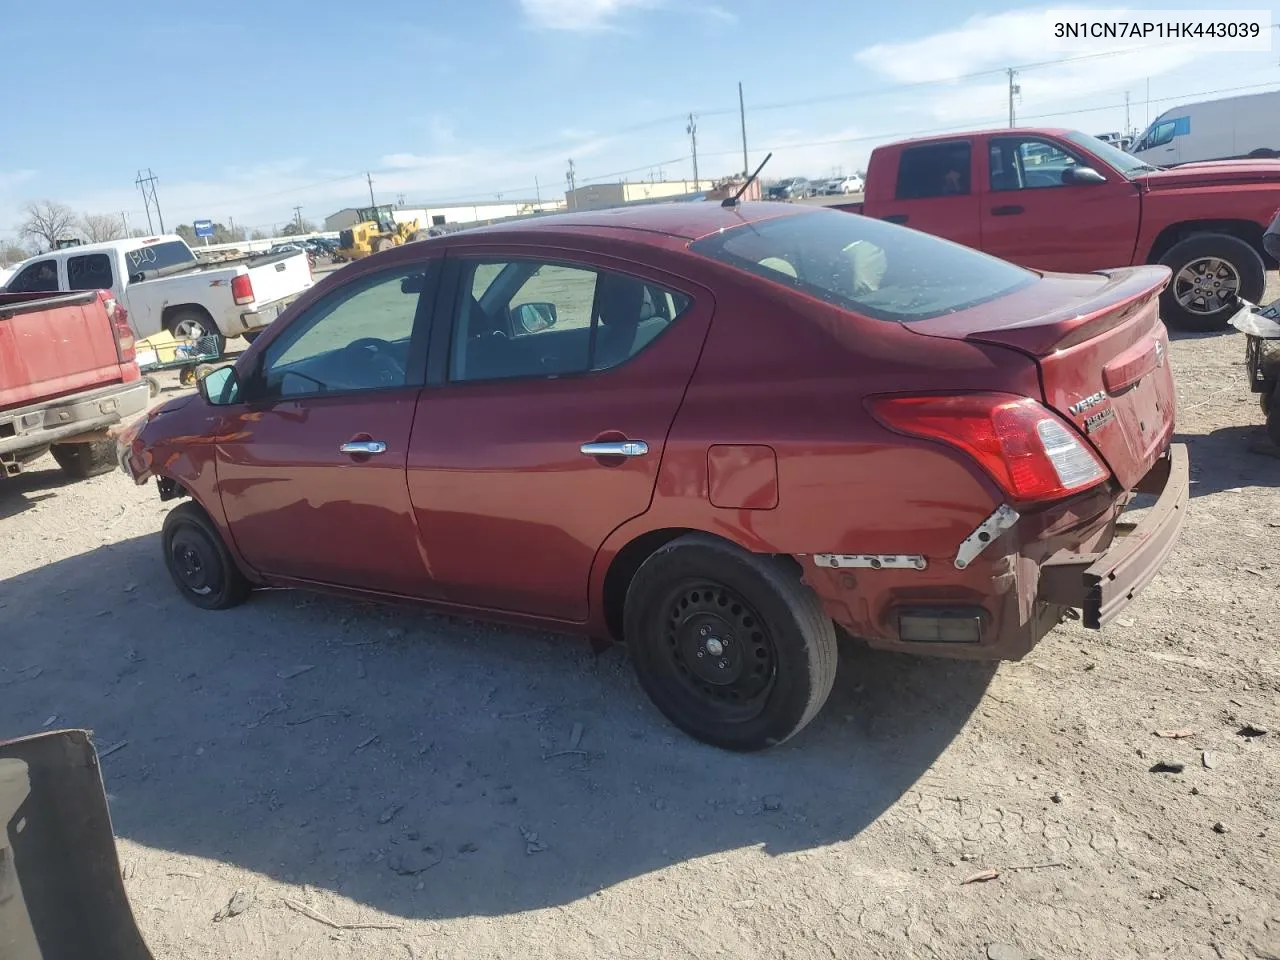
[(1100, 585)]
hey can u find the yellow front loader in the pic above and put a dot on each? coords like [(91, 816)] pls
[(375, 231)]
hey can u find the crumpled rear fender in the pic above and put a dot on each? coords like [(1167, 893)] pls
[(61, 893)]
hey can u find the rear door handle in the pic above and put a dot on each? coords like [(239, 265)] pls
[(896, 218), (363, 447), (614, 448), (1008, 211)]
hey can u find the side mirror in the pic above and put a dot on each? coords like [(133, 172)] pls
[(1082, 175), (219, 386), (413, 283), (535, 317)]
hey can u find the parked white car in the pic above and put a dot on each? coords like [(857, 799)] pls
[(846, 185), (163, 286)]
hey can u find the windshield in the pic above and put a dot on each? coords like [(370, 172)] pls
[(1125, 163), (157, 256), (866, 266)]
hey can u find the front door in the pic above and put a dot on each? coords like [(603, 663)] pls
[(312, 468), (547, 429), (1032, 216), (936, 193)]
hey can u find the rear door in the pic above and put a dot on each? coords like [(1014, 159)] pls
[(936, 192), (1032, 217), (311, 467), (545, 426)]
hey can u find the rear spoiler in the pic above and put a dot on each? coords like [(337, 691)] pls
[(61, 893)]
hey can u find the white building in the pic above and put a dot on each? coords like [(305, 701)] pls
[(439, 216), (600, 196)]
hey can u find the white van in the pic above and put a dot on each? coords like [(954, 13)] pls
[(1227, 129)]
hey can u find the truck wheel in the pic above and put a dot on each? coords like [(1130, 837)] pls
[(730, 646), (85, 460), (1209, 271), (191, 324), (199, 562)]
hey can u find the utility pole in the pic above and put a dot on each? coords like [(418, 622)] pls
[(124, 220), (400, 200), (537, 192), (692, 131), (147, 185), (571, 178), (297, 218), (369, 176), (232, 222), (1127, 129), (742, 113), (1014, 89)]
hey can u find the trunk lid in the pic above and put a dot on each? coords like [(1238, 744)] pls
[(52, 345), (1102, 352), (278, 279)]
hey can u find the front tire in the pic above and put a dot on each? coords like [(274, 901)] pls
[(730, 646), (1209, 272), (80, 461), (198, 561)]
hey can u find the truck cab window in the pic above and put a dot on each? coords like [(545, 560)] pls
[(1022, 164), (92, 271), (38, 277), (935, 170)]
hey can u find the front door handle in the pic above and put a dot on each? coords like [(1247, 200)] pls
[(614, 448), (1009, 211), (364, 448)]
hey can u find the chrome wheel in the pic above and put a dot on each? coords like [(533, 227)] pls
[(1206, 285), (188, 329)]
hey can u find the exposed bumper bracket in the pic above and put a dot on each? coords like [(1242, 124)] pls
[(1001, 519), (867, 561)]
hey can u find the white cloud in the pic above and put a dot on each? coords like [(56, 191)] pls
[(580, 16)]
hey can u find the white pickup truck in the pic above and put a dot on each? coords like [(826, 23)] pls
[(164, 287)]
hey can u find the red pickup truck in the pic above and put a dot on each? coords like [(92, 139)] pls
[(1063, 201), (67, 375)]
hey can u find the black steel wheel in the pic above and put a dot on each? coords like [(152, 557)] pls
[(729, 645), (198, 561)]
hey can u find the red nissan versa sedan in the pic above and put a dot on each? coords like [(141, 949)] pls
[(719, 434)]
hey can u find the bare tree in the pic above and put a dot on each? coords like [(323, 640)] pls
[(47, 222), (11, 253), (257, 235), (101, 226)]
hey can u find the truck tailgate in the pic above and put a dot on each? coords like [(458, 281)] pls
[(52, 345), (283, 278)]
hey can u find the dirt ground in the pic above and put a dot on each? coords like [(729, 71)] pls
[(488, 792)]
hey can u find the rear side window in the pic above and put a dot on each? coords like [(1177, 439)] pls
[(866, 266), (158, 256), (38, 277), (935, 170), (89, 272)]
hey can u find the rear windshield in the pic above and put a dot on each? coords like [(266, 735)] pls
[(866, 266), (157, 256)]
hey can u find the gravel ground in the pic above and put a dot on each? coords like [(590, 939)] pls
[(475, 788)]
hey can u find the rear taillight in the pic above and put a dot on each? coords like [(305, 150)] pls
[(242, 289), (120, 326), (1027, 450)]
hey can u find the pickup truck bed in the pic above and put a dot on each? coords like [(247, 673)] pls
[(67, 374)]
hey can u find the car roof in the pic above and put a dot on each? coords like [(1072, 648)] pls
[(992, 132), (125, 243), (688, 220)]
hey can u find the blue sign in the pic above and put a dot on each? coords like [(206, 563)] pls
[(204, 228)]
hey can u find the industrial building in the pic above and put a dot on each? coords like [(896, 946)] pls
[(601, 196), (439, 216)]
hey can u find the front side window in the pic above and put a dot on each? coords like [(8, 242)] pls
[(92, 271), (357, 338), (38, 277), (866, 266), (934, 170), (525, 318), (1018, 164)]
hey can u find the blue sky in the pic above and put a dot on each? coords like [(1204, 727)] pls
[(244, 109)]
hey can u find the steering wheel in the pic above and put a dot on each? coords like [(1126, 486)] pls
[(379, 351)]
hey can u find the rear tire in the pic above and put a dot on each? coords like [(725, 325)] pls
[(730, 646), (193, 324), (1209, 271), (84, 460), (199, 562)]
